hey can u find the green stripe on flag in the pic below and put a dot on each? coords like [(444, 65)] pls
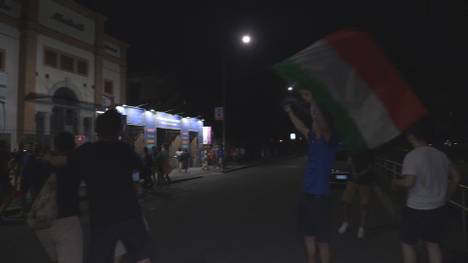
[(348, 131)]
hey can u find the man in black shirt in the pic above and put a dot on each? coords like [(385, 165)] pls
[(107, 166)]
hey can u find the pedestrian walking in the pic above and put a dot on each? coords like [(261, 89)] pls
[(154, 154), (361, 178), (107, 166), (204, 157), (54, 214), (315, 214), (185, 158), (147, 169), (34, 174), (431, 179), (211, 157), (178, 156), (163, 167), (221, 157)]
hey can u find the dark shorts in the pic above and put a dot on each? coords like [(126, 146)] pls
[(315, 217), (132, 233), (423, 225)]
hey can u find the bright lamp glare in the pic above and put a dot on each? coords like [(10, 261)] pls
[(290, 88), (292, 136), (246, 39)]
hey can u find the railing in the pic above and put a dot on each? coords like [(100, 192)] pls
[(392, 169)]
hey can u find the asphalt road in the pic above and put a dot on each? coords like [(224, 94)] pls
[(251, 216), (244, 216)]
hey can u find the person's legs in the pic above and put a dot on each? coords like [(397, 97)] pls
[(409, 253), (167, 178), (434, 252), (137, 240), (46, 239), (69, 238), (364, 192), (311, 249), (346, 218), (103, 242), (119, 252), (323, 227), (410, 233), (348, 195), (161, 178), (435, 220), (324, 252)]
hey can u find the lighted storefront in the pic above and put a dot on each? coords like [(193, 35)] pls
[(158, 129)]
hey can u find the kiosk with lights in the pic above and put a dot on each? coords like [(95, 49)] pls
[(150, 128)]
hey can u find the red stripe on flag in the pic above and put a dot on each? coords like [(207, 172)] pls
[(359, 51)]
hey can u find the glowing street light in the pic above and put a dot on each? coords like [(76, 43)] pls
[(246, 39), (290, 88), (292, 136)]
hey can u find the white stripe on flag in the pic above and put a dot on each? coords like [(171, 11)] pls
[(347, 89)]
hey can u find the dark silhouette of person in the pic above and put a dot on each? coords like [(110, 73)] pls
[(106, 166)]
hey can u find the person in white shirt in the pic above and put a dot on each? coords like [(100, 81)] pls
[(178, 156), (430, 179)]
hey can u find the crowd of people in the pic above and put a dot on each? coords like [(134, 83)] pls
[(427, 174), (110, 168), (107, 167)]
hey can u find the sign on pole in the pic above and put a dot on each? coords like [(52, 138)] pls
[(219, 113)]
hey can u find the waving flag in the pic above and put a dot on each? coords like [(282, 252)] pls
[(351, 78)]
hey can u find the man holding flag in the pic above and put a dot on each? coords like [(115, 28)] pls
[(315, 203), (357, 94)]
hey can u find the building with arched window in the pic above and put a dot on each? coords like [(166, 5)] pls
[(57, 66)]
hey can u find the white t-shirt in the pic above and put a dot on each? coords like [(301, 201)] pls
[(431, 169)]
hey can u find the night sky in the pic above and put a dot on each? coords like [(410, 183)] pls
[(426, 40)]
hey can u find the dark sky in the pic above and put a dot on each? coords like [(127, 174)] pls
[(427, 41)]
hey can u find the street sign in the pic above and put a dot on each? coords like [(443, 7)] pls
[(219, 113)]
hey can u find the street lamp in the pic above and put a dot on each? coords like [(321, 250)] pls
[(246, 39), (290, 88)]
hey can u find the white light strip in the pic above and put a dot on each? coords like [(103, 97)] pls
[(169, 124), (167, 119)]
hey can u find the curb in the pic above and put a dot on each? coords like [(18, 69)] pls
[(239, 168), (261, 162), (186, 179)]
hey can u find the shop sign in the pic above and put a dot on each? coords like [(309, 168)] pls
[(167, 121), (219, 113), (135, 116), (185, 136), (207, 133), (150, 136)]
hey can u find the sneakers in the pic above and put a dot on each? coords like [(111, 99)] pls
[(361, 233), (343, 228)]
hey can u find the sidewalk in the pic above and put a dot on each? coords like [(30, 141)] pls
[(193, 173), (197, 172)]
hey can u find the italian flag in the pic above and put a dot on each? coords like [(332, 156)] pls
[(351, 78)]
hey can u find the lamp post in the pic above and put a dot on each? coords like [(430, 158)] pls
[(246, 40)]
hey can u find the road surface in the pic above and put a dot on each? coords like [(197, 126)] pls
[(240, 217)]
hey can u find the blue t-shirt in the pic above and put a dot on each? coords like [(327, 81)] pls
[(320, 160)]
